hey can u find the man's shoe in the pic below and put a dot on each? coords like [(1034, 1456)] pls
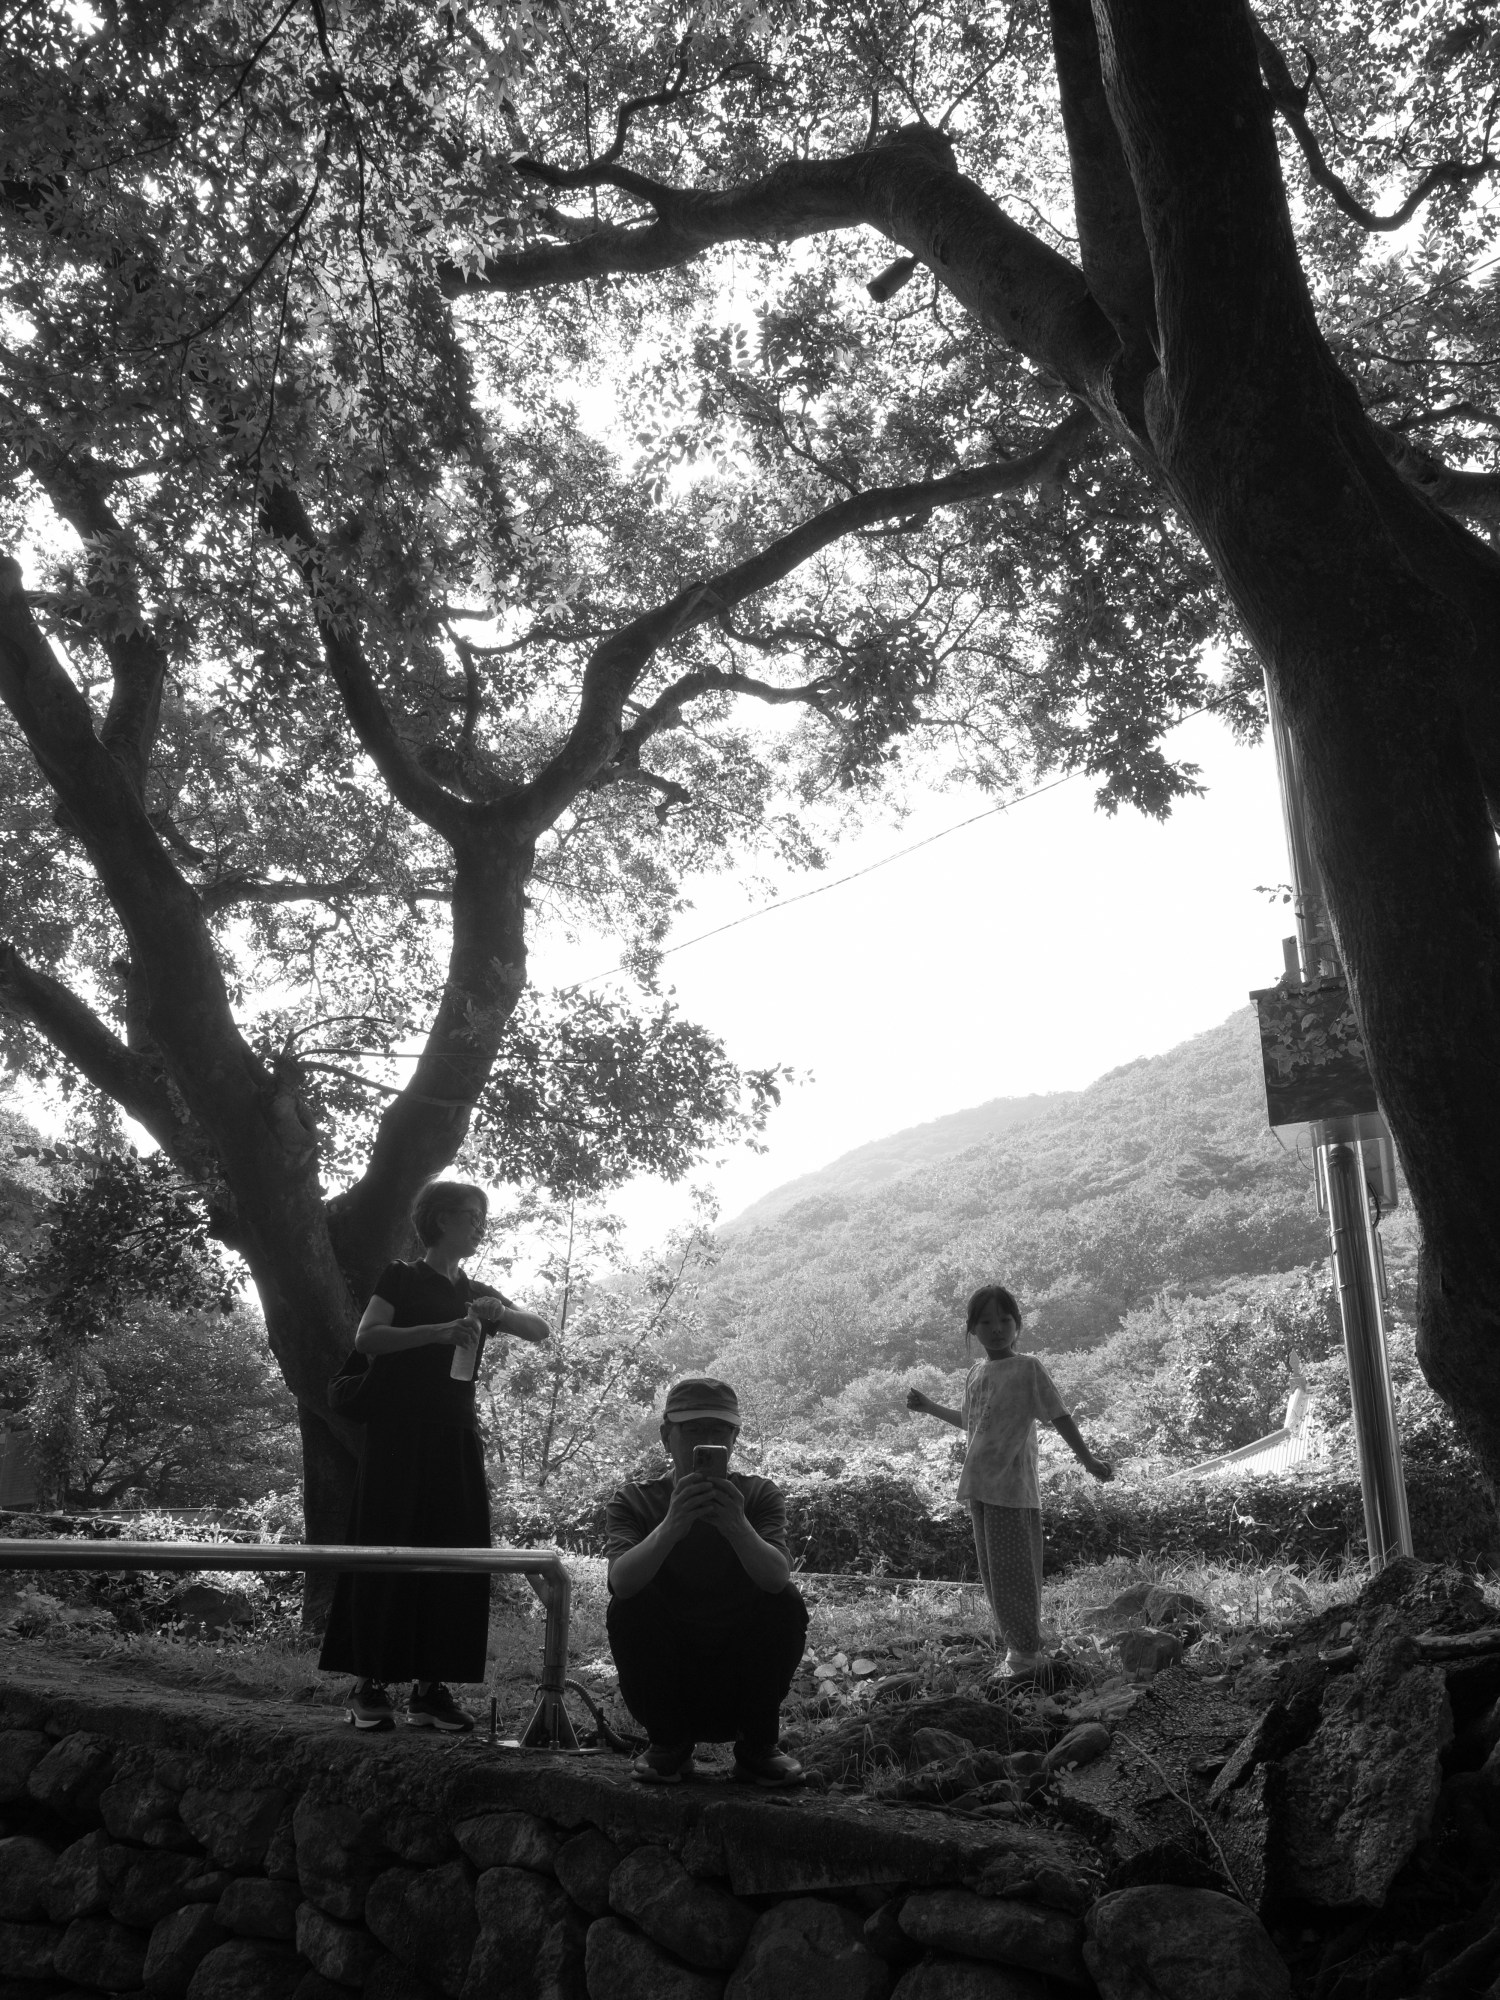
[(772, 1770), (664, 1764), (370, 1707), (436, 1709)]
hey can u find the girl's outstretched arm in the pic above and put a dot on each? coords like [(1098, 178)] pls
[(1068, 1431), (915, 1400)]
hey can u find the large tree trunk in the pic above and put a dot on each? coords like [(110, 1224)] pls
[(1329, 559)]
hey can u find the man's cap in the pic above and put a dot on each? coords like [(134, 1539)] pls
[(700, 1396)]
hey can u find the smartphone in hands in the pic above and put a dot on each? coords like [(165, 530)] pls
[(712, 1460)]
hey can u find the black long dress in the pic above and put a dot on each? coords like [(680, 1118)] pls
[(420, 1482)]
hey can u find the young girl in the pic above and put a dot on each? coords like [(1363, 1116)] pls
[(1003, 1397)]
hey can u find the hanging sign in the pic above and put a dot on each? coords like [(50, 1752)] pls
[(1312, 1053)]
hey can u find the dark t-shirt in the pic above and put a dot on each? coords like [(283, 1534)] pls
[(702, 1585), (415, 1387)]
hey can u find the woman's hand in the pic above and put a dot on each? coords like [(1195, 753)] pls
[(915, 1400), (465, 1332), (1100, 1467)]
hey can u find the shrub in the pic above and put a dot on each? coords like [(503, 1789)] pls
[(877, 1525)]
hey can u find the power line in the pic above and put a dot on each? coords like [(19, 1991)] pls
[(838, 882), (842, 881)]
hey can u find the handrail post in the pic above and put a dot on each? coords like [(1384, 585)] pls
[(550, 1724)]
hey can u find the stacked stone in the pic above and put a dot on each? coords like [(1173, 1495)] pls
[(129, 1869)]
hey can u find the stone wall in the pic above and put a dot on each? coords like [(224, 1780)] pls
[(151, 1843)]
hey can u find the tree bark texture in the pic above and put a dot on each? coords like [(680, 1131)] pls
[(1189, 335), (1376, 622)]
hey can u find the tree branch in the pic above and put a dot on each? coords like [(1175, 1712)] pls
[(617, 663), (666, 711), (233, 889), (72, 1028), (907, 186), (137, 663), (1111, 240), (286, 519), (1474, 495), (1290, 100)]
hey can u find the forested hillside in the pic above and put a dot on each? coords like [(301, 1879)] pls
[(882, 1160), (1166, 1248), (1162, 1174)]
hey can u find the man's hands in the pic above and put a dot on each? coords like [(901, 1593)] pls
[(696, 1497), (1100, 1467), (915, 1400)]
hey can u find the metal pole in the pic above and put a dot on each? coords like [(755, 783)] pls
[(544, 1570), (1387, 1522), (1341, 1173)]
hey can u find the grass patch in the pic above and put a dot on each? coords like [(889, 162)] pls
[(934, 1639)]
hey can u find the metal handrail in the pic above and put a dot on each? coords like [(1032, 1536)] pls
[(544, 1570)]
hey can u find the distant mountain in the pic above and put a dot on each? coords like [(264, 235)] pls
[(1160, 1176), (885, 1160)]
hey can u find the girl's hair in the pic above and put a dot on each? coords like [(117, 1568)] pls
[(1001, 1297), (440, 1198)]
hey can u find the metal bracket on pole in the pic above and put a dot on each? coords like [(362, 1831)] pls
[(549, 1726)]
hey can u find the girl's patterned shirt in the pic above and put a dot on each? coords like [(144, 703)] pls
[(1002, 1401)]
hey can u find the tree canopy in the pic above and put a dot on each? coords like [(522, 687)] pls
[(478, 465)]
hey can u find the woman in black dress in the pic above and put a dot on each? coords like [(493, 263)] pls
[(421, 1473)]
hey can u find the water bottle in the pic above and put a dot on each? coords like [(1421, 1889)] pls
[(461, 1368)]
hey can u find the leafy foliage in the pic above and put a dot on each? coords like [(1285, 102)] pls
[(165, 1408), (390, 587), (125, 1350), (563, 1419), (1161, 1175)]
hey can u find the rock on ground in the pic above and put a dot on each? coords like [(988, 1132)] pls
[(234, 1826), (96, 1952), (21, 1750), (144, 1887), (28, 1950), (247, 1969), (179, 1944), (343, 1952), (425, 1917), (998, 1930), (70, 1778), (690, 1919), (962, 1979), (808, 1950), (338, 1853), (25, 1868), (620, 1964), (82, 1877), (584, 1865), (508, 1840), (253, 1907), (1163, 1943), (1356, 1799)]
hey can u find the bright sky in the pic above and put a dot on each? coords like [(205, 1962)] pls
[(1030, 952)]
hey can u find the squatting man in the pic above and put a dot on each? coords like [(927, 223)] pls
[(704, 1623)]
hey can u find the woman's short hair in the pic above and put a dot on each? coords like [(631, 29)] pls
[(985, 1296), (440, 1198)]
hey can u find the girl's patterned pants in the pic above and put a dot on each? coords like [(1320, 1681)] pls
[(1008, 1542)]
